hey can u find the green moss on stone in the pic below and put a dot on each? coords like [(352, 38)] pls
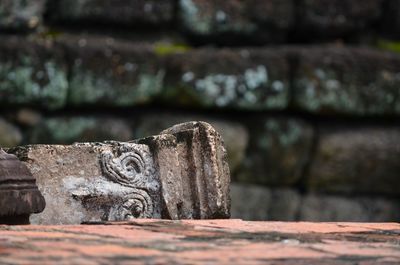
[(68, 130), (323, 90), (88, 87), (25, 84), (163, 49), (388, 45), (253, 89)]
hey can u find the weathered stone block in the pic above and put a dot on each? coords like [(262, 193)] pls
[(113, 73), (20, 15), (125, 12), (255, 79), (347, 81), (181, 173), (228, 22), (66, 130), (9, 134), (32, 73), (250, 202), (235, 134), (279, 149), (336, 18), (19, 195), (356, 159), (350, 209)]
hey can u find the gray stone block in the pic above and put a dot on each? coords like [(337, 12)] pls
[(33, 73), (351, 81), (250, 202), (330, 19), (246, 79), (363, 159), (228, 22), (20, 15), (235, 134), (331, 208), (70, 129), (181, 173), (279, 149), (107, 72), (124, 12)]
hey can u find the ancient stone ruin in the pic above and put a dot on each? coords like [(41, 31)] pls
[(182, 173), (19, 195)]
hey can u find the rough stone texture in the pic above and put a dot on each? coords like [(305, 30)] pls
[(66, 130), (279, 149), (232, 22), (347, 81), (203, 242), (198, 161), (335, 208), (356, 159), (336, 18), (257, 203), (247, 79), (235, 135), (19, 195), (181, 173), (20, 15), (107, 72), (125, 12), (31, 73), (9, 135), (252, 202)]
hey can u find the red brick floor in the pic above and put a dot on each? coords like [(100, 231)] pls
[(202, 242)]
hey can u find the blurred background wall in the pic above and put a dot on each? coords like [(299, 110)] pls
[(306, 93)]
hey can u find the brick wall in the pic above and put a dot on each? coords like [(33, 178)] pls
[(305, 93)]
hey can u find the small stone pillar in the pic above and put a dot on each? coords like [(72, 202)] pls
[(19, 195)]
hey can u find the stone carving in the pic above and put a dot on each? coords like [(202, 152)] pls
[(179, 174), (19, 195), (138, 204), (132, 168)]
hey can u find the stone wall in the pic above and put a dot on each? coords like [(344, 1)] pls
[(305, 93)]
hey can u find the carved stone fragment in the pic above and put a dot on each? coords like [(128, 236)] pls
[(180, 173), (19, 195)]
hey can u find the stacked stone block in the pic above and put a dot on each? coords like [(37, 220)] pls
[(305, 93)]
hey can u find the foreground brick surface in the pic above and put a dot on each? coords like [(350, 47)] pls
[(202, 242)]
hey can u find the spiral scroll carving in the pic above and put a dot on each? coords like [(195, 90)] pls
[(133, 169), (136, 205)]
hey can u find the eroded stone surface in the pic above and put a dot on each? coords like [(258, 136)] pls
[(279, 149), (363, 159), (246, 79), (181, 173), (32, 72), (236, 21), (347, 81)]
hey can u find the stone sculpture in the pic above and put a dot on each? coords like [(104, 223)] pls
[(19, 195), (182, 173)]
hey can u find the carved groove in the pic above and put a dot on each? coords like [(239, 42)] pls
[(136, 205), (129, 169)]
